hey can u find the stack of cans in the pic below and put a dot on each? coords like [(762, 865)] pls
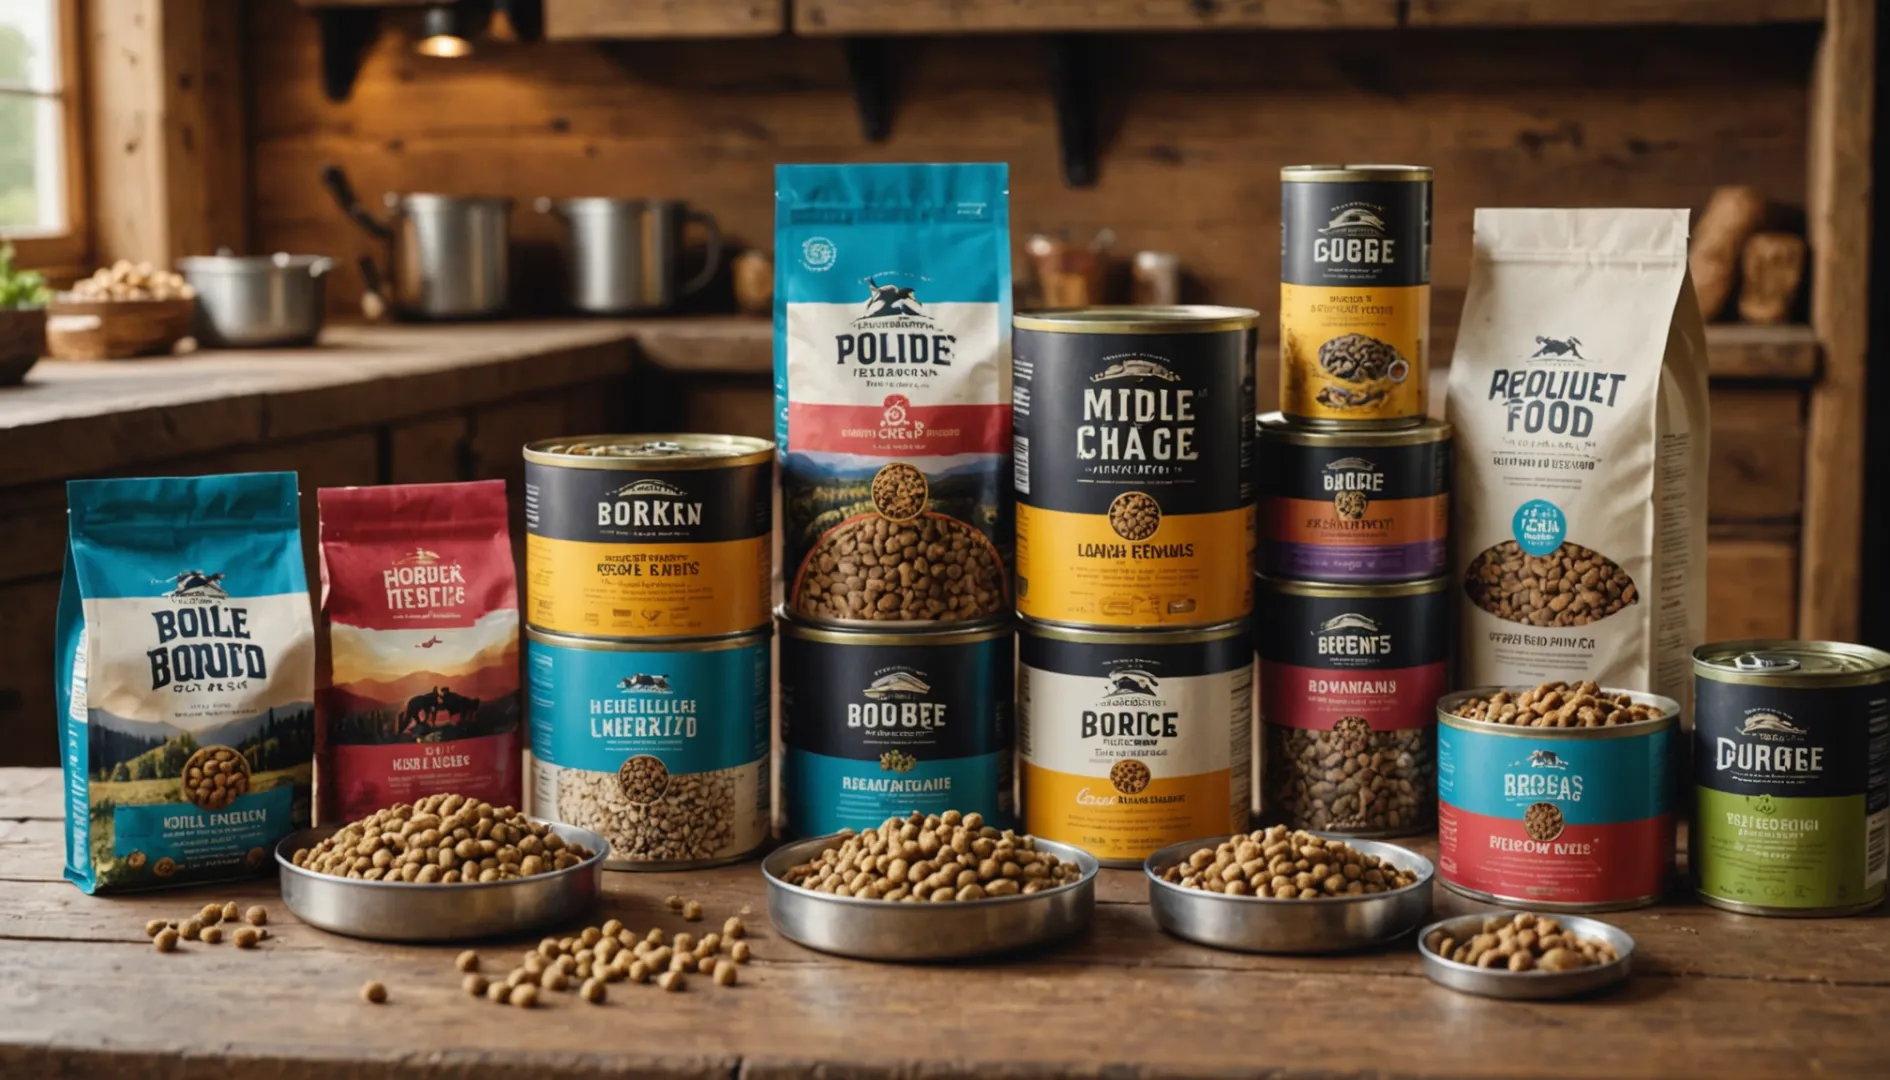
[(1354, 484), (1132, 463), (648, 564)]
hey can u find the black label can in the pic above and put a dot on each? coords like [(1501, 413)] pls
[(649, 536), (878, 725), (1132, 433), (1791, 777), (1355, 293), (1349, 680)]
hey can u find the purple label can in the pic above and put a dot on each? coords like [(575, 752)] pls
[(1354, 506)]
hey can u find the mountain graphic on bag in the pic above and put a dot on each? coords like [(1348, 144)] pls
[(186, 679)]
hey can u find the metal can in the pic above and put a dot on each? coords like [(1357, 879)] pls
[(1363, 506), (878, 725), (1349, 675), (663, 749), (1131, 741), (1355, 293), (648, 536), (1791, 773), (1556, 819), (1132, 453)]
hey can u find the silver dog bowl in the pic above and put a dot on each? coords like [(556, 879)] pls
[(878, 930), (405, 911), (1266, 925), (1527, 985)]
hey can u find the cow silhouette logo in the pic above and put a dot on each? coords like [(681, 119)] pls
[(891, 301), (640, 683), (1558, 348), (196, 585), (1546, 759), (1137, 367), (1131, 683), (1770, 723), (898, 684)]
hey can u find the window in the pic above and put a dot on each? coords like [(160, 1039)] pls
[(42, 189)]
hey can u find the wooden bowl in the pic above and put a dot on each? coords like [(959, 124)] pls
[(22, 342), (116, 329)]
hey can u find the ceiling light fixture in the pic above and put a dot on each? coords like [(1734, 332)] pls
[(443, 34)]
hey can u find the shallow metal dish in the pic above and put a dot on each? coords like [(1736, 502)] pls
[(1527, 985), (1264, 925), (403, 911), (877, 930)]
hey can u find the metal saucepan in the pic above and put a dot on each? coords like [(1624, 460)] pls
[(448, 254), (624, 256), (256, 300)]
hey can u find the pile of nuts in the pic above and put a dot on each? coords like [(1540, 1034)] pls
[(207, 926), (931, 569), (1287, 865), (126, 280), (1524, 943), (1570, 586), (596, 956), (1351, 778), (442, 840), (1558, 704), (936, 858)]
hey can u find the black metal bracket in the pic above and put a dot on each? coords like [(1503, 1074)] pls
[(1073, 86), (872, 86), (346, 35)]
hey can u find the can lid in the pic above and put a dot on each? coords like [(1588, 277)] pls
[(1770, 662), (1338, 174), (656, 451), (1140, 319), (1276, 428)]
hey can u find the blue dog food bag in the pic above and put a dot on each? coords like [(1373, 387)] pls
[(185, 661)]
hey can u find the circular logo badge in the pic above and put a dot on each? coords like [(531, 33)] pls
[(1539, 526), (818, 253)]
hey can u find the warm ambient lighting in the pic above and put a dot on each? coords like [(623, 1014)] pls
[(442, 34)]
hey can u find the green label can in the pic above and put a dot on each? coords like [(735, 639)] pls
[(1791, 769)]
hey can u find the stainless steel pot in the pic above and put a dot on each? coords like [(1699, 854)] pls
[(624, 255), (256, 300), (448, 254)]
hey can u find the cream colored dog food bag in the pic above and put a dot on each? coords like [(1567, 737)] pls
[(1578, 392)]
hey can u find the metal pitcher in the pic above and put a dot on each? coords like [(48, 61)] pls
[(448, 254), (624, 255)]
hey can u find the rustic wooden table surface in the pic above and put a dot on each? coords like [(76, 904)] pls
[(83, 994)]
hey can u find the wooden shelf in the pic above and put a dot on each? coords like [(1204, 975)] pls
[(580, 20), (873, 17), (1764, 353)]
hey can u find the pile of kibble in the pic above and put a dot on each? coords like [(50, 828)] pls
[(442, 840), (207, 926), (935, 858), (1283, 864), (1558, 704), (1524, 942)]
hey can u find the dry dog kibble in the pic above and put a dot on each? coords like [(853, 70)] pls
[(932, 569), (1134, 515), (211, 935), (374, 993), (256, 916), (231, 912), (126, 280), (211, 914), (740, 952), (673, 903), (467, 961), (671, 981), (1570, 586), (1559, 704), (732, 927), (696, 817), (155, 926), (682, 962), (724, 973), (555, 981), (933, 858), (442, 839), (191, 930), (592, 991), (612, 928), (524, 996), (1522, 942), (692, 912), (711, 942), (685, 942), (246, 937), (1283, 864), (474, 983), (166, 940), (899, 491), (639, 972), (704, 965), (1350, 778), (499, 993)]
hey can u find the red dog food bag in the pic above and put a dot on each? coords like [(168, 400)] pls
[(417, 679)]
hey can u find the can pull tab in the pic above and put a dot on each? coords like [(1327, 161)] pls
[(1764, 663)]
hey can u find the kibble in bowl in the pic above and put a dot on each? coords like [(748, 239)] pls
[(1279, 890), (1525, 956), (446, 868), (929, 887)]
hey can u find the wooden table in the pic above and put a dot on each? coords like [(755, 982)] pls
[(83, 994)]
